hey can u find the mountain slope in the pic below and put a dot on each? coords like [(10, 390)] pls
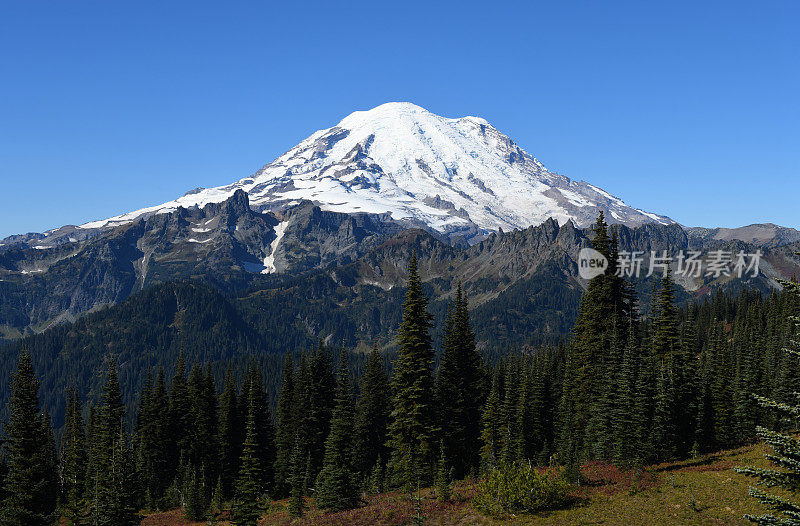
[(233, 248), (461, 177)]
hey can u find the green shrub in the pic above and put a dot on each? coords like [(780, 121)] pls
[(519, 487)]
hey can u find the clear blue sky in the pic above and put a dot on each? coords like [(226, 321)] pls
[(689, 109)]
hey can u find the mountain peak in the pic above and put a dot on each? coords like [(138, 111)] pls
[(389, 108), (458, 176)]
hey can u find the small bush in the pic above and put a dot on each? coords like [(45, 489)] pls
[(520, 487)]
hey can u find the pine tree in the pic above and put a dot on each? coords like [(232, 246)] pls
[(112, 410), (265, 431), (721, 390), (180, 414), (203, 449), (195, 503), (30, 482), (3, 475), (686, 365), (320, 386), (664, 437), (458, 390), (785, 455), (511, 433), (300, 462), (606, 298), (646, 388), (228, 436), (117, 500), (50, 485), (155, 455), (531, 414), (298, 476), (412, 430), (247, 506), (284, 434), (666, 336), (372, 414), (601, 425), (669, 414), (73, 463), (147, 454), (336, 489), (443, 472), (491, 424), (704, 440), (92, 454), (627, 424), (115, 480)]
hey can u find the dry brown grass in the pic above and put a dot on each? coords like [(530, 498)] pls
[(703, 491)]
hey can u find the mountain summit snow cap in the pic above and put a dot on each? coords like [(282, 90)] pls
[(460, 177)]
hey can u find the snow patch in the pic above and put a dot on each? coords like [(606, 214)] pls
[(269, 261)]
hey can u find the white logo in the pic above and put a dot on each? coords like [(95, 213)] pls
[(591, 263)]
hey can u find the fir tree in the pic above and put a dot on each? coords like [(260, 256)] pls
[(491, 425), (50, 484), (247, 507), (299, 469), (601, 425), (195, 503), (320, 385), (73, 463), (458, 390), (664, 437), (606, 299), (532, 442), (30, 483), (284, 434), (112, 409), (92, 455), (372, 414), (785, 456), (443, 472), (627, 424), (203, 449), (152, 442), (264, 429), (117, 500), (512, 439), (666, 336), (3, 475), (412, 430), (180, 414), (336, 489), (703, 406), (115, 479), (228, 436), (721, 390), (646, 389)]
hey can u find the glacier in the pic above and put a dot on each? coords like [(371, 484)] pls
[(453, 175)]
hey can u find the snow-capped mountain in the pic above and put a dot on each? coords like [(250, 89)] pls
[(453, 175)]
